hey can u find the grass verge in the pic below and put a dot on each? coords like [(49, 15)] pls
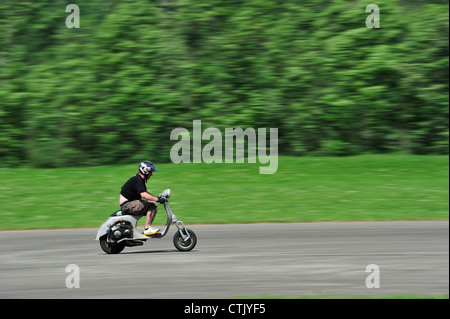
[(304, 189)]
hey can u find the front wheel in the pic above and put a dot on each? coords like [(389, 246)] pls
[(187, 245)]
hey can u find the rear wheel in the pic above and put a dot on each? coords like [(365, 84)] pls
[(111, 248), (187, 245)]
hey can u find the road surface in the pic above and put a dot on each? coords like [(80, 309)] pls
[(233, 261)]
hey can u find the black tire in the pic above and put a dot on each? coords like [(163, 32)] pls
[(111, 248), (185, 245)]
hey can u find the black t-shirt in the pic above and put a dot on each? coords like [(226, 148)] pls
[(133, 188)]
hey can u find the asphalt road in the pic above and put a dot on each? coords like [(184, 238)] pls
[(232, 261)]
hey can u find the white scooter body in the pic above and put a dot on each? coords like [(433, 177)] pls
[(138, 238)]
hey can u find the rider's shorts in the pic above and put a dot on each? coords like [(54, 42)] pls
[(138, 207)]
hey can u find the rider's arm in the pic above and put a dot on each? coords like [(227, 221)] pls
[(149, 196)]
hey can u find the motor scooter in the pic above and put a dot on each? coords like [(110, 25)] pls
[(120, 231)]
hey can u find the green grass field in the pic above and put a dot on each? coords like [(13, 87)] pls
[(304, 189)]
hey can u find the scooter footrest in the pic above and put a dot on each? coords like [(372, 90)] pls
[(155, 235), (131, 243)]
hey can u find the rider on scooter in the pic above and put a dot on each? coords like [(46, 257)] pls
[(136, 200)]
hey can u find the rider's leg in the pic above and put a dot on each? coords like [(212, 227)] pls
[(150, 217), (141, 207), (151, 213)]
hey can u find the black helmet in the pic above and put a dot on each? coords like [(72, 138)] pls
[(145, 167)]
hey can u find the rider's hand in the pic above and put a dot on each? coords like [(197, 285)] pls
[(161, 200)]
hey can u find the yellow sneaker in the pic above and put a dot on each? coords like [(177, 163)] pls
[(150, 231)]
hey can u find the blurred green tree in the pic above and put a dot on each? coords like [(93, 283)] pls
[(114, 89)]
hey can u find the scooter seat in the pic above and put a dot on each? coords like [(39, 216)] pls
[(117, 213)]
